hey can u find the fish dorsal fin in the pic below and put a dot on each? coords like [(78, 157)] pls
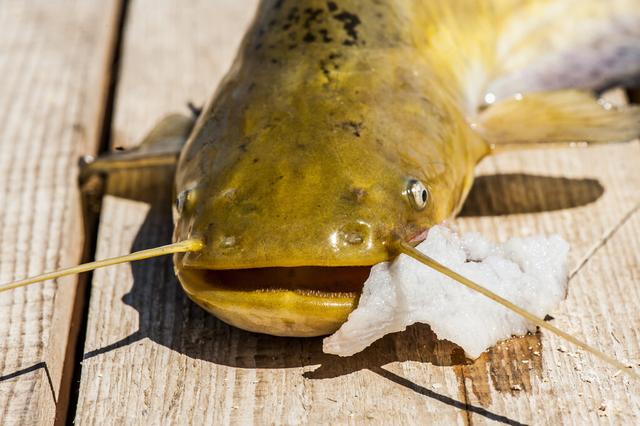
[(556, 117)]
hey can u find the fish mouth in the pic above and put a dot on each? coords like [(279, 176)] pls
[(299, 301)]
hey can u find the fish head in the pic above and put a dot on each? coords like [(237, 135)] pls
[(302, 202), (297, 195)]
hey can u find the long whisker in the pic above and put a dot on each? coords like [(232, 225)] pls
[(179, 247), (409, 250)]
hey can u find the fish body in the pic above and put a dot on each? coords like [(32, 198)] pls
[(344, 125)]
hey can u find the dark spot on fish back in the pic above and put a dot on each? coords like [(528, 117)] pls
[(325, 70), (353, 126), (325, 35), (349, 21), (294, 15), (313, 15), (328, 64)]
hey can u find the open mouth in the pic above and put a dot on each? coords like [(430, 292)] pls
[(310, 300), (306, 280), (284, 301)]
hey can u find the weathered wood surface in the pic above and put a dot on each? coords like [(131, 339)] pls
[(590, 197), (54, 56), (151, 356)]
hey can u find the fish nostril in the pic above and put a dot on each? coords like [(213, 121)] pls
[(358, 194), (228, 242), (353, 238), (353, 234)]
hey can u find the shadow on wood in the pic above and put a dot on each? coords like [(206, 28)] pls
[(443, 398), (31, 369), (518, 193)]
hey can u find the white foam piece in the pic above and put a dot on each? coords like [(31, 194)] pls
[(530, 272)]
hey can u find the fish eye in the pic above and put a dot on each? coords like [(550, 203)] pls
[(181, 200), (418, 194)]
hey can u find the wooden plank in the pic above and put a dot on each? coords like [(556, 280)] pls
[(54, 56), (151, 356), (541, 379), (590, 197)]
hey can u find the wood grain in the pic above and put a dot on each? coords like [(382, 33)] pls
[(54, 56), (570, 385), (151, 356), (598, 188)]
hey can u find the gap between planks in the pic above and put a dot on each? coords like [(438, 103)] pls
[(66, 410)]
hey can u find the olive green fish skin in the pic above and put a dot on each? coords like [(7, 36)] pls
[(304, 156)]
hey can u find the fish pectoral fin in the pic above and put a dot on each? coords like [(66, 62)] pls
[(556, 117), (160, 147)]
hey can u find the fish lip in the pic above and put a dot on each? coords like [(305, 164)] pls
[(184, 262), (236, 261)]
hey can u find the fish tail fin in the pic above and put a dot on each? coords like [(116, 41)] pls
[(560, 117)]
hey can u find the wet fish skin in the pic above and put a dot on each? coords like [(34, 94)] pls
[(332, 109)]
